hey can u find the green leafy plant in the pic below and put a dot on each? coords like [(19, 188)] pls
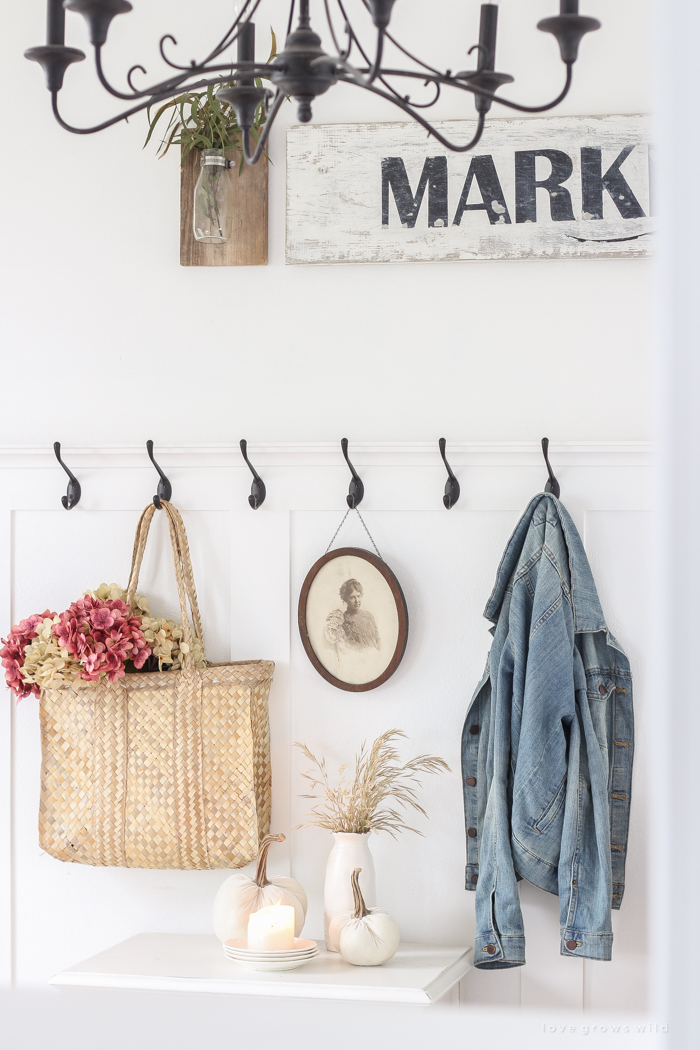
[(198, 120)]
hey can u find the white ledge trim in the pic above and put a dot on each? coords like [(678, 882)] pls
[(328, 454)]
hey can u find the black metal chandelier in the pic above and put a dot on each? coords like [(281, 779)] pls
[(302, 70)]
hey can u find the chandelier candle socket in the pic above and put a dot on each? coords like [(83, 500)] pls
[(303, 70), (271, 929)]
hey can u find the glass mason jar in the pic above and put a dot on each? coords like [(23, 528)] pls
[(211, 198)]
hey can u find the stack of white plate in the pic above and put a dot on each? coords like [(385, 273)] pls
[(237, 950)]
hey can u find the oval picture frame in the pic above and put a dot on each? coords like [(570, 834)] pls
[(345, 645)]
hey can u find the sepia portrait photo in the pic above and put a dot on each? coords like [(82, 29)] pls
[(353, 619)]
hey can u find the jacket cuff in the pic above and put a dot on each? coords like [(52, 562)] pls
[(587, 945), (495, 952), (471, 876), (618, 892)]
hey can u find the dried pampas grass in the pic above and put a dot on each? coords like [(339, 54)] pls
[(360, 805)]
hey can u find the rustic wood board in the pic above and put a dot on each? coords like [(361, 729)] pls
[(247, 222), (389, 193)]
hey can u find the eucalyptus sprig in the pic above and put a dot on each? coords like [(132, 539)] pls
[(360, 805), (198, 120)]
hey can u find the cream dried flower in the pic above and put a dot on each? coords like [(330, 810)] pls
[(113, 592), (165, 639), (46, 663)]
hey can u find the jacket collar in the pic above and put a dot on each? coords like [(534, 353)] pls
[(588, 614)]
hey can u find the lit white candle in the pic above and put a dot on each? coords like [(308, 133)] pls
[(271, 929)]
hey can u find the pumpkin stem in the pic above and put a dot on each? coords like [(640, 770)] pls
[(361, 908), (261, 878)]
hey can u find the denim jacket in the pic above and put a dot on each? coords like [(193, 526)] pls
[(547, 748)]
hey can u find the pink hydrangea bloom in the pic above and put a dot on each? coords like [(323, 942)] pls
[(102, 635), (12, 654)]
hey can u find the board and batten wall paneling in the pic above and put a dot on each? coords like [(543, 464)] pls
[(248, 567)]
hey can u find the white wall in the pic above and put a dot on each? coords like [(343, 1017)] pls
[(249, 569), (94, 299), (107, 341)]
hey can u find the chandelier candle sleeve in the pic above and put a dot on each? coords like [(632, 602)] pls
[(55, 22), (271, 929), (569, 7), (487, 36)]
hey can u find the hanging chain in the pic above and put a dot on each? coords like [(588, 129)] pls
[(364, 527)]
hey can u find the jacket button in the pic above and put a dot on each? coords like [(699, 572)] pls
[(491, 949), (474, 879), (473, 730), (571, 945), (602, 689), (471, 782), (471, 832)]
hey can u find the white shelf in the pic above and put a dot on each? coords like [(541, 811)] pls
[(418, 973)]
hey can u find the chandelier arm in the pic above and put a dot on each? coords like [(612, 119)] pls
[(290, 21), (417, 105), (173, 65), (107, 123), (173, 81), (407, 98), (129, 75), (374, 71), (353, 37), (152, 100), (421, 120), (538, 109), (344, 53), (356, 78), (418, 61), (407, 53), (173, 84), (377, 64), (253, 158)]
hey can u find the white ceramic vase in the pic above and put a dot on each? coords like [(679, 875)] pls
[(349, 851)]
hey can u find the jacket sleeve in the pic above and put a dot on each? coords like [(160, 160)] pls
[(532, 710), (543, 714)]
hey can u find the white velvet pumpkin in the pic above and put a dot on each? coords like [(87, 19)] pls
[(365, 937), (240, 896)]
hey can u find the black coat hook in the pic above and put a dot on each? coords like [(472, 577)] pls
[(165, 489), (552, 483), (356, 491), (72, 497), (257, 489), (451, 485)]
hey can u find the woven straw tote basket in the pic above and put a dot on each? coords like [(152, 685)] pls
[(164, 769)]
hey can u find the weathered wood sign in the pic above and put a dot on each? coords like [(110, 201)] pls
[(556, 187)]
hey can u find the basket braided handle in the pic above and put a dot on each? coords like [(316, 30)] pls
[(183, 573)]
